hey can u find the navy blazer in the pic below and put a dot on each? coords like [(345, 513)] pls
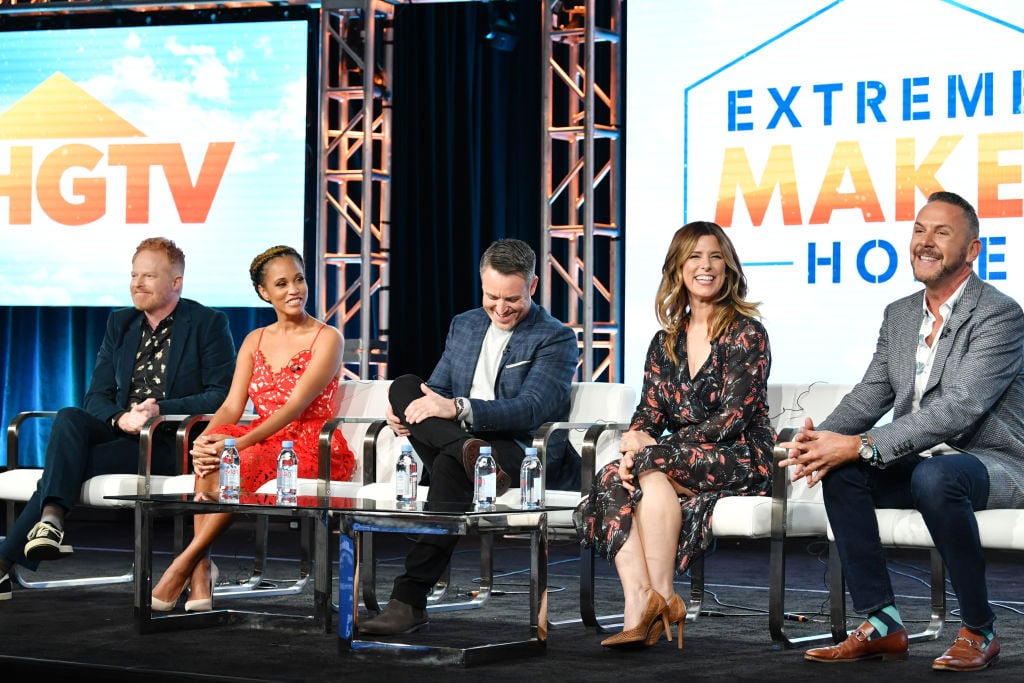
[(974, 399), (199, 367), (532, 387)]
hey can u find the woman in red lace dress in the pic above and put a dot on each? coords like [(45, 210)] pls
[(289, 370), (701, 431)]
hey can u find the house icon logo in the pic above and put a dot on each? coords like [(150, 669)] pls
[(68, 152)]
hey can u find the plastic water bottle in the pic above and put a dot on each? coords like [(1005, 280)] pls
[(230, 472), (287, 475), (485, 483), (406, 477), (531, 481)]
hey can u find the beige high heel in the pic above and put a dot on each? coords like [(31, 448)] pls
[(205, 604), (652, 623), (158, 605), (677, 615)]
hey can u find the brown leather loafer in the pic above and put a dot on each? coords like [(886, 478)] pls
[(470, 452), (857, 647), (968, 653)]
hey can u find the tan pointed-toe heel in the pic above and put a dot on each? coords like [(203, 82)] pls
[(653, 621), (677, 615)]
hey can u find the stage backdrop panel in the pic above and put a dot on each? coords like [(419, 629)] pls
[(110, 134), (814, 132)]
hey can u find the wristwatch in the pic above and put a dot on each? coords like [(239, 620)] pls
[(460, 407), (867, 450)]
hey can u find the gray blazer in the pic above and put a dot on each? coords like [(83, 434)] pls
[(974, 400)]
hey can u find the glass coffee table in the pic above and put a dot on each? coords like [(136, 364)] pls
[(372, 517), (357, 518)]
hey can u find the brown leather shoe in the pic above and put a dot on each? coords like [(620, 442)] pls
[(470, 452), (857, 647), (968, 653)]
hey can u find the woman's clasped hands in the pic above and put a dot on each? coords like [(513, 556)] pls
[(206, 453), (631, 442)]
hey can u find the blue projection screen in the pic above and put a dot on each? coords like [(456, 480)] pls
[(813, 132), (193, 130)]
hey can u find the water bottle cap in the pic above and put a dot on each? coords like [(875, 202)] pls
[(287, 444), (406, 448), (485, 449), (229, 443), (530, 450)]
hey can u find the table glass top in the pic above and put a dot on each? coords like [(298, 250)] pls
[(327, 503)]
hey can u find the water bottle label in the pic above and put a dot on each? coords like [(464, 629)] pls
[(488, 487), (537, 492), (286, 479)]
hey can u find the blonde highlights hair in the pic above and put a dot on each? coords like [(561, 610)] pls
[(672, 304)]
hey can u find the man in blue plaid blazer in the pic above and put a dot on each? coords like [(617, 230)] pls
[(507, 368), (950, 364)]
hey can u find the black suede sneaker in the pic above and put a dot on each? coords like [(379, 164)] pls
[(44, 543), (5, 586)]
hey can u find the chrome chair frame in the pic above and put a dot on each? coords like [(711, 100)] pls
[(144, 472)]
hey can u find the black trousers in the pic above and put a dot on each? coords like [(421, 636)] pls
[(439, 444)]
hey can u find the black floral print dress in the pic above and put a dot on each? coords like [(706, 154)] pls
[(714, 438)]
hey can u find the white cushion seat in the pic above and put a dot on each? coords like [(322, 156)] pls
[(19, 485), (999, 529)]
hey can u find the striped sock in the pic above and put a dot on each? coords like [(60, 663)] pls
[(988, 633), (886, 620)]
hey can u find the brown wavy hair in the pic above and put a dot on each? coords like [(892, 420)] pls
[(260, 263), (672, 305)]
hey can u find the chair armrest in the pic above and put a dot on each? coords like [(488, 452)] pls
[(590, 439), (146, 434), (185, 425), (14, 430), (781, 485), (368, 449)]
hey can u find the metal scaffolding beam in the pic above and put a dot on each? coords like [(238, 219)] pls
[(581, 242), (355, 178)]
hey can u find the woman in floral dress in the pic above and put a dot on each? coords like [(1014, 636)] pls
[(289, 370), (701, 431)]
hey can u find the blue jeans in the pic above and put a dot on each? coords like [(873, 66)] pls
[(946, 490)]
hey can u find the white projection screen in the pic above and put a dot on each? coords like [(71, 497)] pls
[(117, 126), (813, 132)]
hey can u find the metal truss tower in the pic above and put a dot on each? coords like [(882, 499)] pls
[(355, 178), (581, 243)]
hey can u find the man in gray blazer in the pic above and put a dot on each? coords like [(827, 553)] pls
[(949, 363), (164, 355), (507, 368)]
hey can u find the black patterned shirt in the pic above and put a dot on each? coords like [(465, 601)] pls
[(149, 376)]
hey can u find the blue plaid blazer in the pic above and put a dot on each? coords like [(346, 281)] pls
[(532, 387)]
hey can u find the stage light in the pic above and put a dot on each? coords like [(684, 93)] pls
[(504, 28), (574, 12)]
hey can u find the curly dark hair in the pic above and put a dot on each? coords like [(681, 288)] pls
[(259, 263)]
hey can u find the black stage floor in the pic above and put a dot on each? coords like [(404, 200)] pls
[(89, 633)]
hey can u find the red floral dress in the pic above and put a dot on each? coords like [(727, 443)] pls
[(269, 391), (713, 433)]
